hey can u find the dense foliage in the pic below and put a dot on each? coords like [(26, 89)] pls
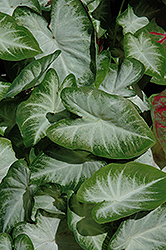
[(82, 124)]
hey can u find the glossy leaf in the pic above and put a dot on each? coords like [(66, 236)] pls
[(89, 234), (42, 234), (70, 31), (118, 80), (5, 241), (120, 190), (12, 190), (150, 53), (32, 74), (158, 112), (4, 86), (66, 167), (117, 132), (130, 22), (7, 156), (16, 42), (8, 6), (22, 241), (145, 233)]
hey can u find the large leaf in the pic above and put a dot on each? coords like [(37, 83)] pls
[(4, 86), (42, 234), (32, 74), (7, 156), (158, 112), (31, 114), (70, 31), (66, 167), (130, 22), (12, 189), (8, 6), (89, 234), (5, 241), (145, 233), (109, 125), (141, 47), (16, 42), (118, 80), (23, 242), (120, 190)]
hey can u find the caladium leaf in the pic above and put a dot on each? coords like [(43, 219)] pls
[(4, 86), (157, 80), (88, 233), (118, 80), (130, 22), (22, 241), (70, 31), (16, 42), (32, 74), (45, 4), (150, 53), (145, 233), (66, 167), (7, 156), (120, 190), (158, 112), (110, 126), (147, 158), (42, 234), (12, 189), (8, 6), (31, 114), (142, 103), (5, 241)]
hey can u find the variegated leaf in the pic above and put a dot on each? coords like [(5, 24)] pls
[(5, 241), (4, 86)]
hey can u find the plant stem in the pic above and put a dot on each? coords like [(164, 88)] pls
[(116, 25)]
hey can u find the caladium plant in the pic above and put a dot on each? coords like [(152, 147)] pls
[(79, 131)]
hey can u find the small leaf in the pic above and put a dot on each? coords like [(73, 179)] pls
[(130, 22), (150, 53), (118, 80), (22, 241), (9, 6), (110, 126), (32, 74), (5, 241), (17, 42), (12, 190), (88, 233), (145, 233), (7, 156), (4, 86), (42, 234), (120, 190), (147, 158), (66, 167)]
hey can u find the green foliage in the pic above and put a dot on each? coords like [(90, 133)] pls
[(79, 131)]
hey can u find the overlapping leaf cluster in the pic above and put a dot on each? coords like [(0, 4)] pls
[(76, 158)]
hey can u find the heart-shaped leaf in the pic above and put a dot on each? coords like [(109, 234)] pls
[(118, 80), (150, 53), (42, 234), (32, 74), (7, 156), (22, 241), (66, 167), (4, 86), (145, 233), (16, 42), (88, 233), (158, 112), (130, 22), (12, 189), (31, 114), (70, 31), (110, 126), (8, 6), (5, 241), (120, 190)]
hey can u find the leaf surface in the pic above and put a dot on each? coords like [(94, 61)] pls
[(120, 190), (4, 86), (145, 233), (5, 241), (16, 42), (22, 241), (110, 126)]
